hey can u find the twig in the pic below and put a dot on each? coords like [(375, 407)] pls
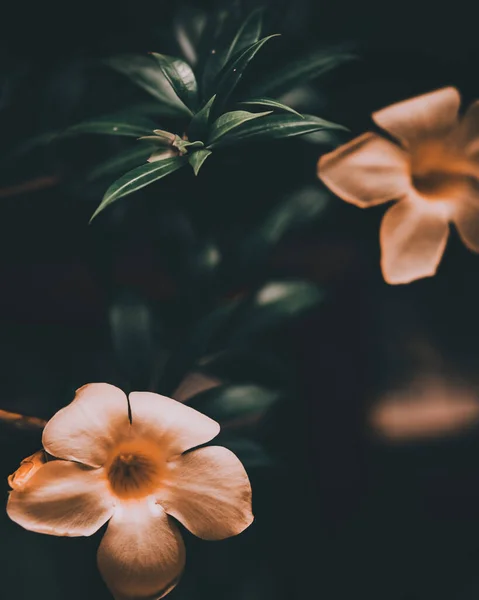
[(21, 421), (34, 185)]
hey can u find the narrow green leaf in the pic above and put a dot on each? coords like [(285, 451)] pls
[(198, 126), (197, 159), (232, 72), (112, 125), (248, 33), (229, 402), (299, 209), (229, 121), (301, 70), (138, 178), (276, 127), (122, 161), (181, 78), (274, 304), (185, 146), (145, 72), (269, 103)]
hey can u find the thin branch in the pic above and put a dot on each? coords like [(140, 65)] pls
[(40, 183), (23, 422)]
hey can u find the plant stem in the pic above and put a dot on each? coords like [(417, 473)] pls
[(21, 421)]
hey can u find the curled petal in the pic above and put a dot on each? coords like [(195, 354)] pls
[(209, 492), (171, 423), (366, 171), (28, 467), (431, 115), (142, 554), (86, 429), (413, 238), (62, 498), (466, 220)]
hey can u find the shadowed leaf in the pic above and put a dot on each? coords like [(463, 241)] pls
[(145, 72), (228, 402), (248, 33), (301, 70), (197, 159), (232, 72), (229, 121), (122, 161), (198, 126), (276, 127), (269, 103), (181, 78), (138, 178)]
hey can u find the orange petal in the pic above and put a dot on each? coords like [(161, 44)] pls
[(209, 493), (413, 237), (430, 115), (429, 407), (366, 171), (170, 422), (28, 467), (62, 498), (466, 220), (466, 137), (85, 430), (142, 554)]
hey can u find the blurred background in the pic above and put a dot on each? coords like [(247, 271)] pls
[(255, 295)]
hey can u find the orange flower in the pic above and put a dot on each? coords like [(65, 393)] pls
[(433, 172), (137, 475)]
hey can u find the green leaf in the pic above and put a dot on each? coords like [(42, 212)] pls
[(200, 340), (251, 454), (229, 121), (247, 34), (301, 70), (112, 125), (269, 103), (122, 161), (276, 127), (185, 146), (232, 72), (198, 126), (297, 210), (145, 72), (181, 78), (131, 323), (275, 303), (138, 178), (231, 402), (197, 159)]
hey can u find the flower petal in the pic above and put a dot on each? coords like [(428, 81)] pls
[(209, 493), (366, 171), (413, 237), (142, 554), (62, 498), (466, 220), (430, 115), (28, 467), (85, 430), (467, 135), (170, 422)]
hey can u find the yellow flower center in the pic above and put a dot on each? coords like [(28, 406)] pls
[(135, 469), (441, 172)]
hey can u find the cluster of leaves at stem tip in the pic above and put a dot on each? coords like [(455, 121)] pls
[(203, 101)]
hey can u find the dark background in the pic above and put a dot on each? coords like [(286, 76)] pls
[(345, 513)]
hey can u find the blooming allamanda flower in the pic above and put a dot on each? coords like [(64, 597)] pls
[(431, 170), (135, 464)]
